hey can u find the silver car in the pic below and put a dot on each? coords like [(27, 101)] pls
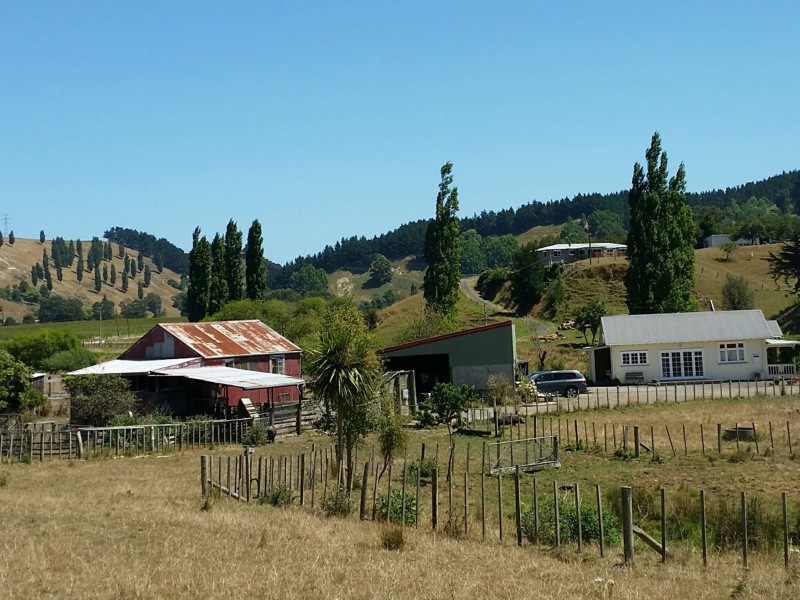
[(564, 383)]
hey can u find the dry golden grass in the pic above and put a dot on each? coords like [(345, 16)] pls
[(135, 528)]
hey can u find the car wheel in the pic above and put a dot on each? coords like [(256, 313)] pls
[(571, 391)]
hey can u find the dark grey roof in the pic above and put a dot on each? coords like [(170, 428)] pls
[(725, 325)]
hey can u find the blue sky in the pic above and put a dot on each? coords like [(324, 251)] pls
[(330, 119)]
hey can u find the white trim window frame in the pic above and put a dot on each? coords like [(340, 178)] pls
[(682, 363), (732, 352), (633, 357), (279, 365)]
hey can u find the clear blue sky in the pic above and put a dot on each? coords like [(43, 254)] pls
[(330, 119)]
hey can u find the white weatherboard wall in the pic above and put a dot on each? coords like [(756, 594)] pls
[(755, 360)]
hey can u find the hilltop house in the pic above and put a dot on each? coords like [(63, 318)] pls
[(722, 345), (565, 253), (194, 368)]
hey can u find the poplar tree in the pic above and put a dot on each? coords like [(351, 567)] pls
[(79, 266), (443, 249), (11, 238), (148, 275), (660, 276), (255, 270), (98, 281), (218, 292), (234, 273), (199, 277), (140, 262), (124, 281), (113, 275)]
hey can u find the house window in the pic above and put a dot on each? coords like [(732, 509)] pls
[(278, 365), (731, 352), (556, 252), (676, 364), (634, 358)]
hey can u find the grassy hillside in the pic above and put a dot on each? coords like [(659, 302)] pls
[(406, 272), (16, 262)]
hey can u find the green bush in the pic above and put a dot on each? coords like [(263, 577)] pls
[(256, 435), (3, 480), (279, 496), (392, 508), (69, 360), (568, 519), (425, 466), (337, 503)]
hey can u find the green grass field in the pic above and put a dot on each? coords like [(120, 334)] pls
[(115, 328)]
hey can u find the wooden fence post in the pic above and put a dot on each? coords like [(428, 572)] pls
[(600, 520), (362, 512), (500, 502), (578, 515), (555, 514), (785, 531), (627, 525), (483, 504), (744, 530), (435, 500), (663, 525), (517, 507), (203, 476), (703, 527)]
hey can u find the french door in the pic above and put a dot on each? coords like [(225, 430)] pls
[(681, 364)]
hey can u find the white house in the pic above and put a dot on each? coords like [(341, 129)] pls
[(721, 345), (564, 253)]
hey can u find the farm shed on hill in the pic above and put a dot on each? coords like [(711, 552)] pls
[(721, 345), (464, 357), (193, 368)]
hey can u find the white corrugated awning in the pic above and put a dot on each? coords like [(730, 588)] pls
[(782, 342), (133, 367), (236, 377)]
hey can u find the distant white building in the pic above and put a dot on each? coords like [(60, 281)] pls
[(716, 239), (564, 253)]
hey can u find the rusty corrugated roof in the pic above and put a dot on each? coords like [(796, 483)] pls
[(230, 338)]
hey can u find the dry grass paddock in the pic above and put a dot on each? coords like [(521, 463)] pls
[(137, 528), (134, 528)]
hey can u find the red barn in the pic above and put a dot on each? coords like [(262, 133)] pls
[(193, 368)]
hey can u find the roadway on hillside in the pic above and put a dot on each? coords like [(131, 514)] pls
[(468, 288)]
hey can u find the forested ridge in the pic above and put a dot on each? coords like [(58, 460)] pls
[(356, 252)]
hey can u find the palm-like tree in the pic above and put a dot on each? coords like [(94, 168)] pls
[(345, 373)]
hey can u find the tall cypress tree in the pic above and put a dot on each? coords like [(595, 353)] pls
[(218, 293), (233, 261), (140, 262), (113, 275), (443, 249), (660, 276), (98, 281), (199, 277), (255, 271), (148, 274), (79, 266), (11, 238), (124, 281)]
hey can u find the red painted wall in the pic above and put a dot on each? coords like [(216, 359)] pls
[(262, 396)]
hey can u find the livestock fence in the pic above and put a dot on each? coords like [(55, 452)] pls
[(630, 440), (527, 509), (599, 397), (53, 441)]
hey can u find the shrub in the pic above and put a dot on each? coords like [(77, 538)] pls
[(568, 520), (392, 508), (425, 466), (256, 435), (68, 360), (337, 503), (97, 399), (3, 480), (279, 496), (392, 537)]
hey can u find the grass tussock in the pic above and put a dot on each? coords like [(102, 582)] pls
[(392, 537)]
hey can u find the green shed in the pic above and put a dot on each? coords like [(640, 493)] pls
[(464, 357)]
